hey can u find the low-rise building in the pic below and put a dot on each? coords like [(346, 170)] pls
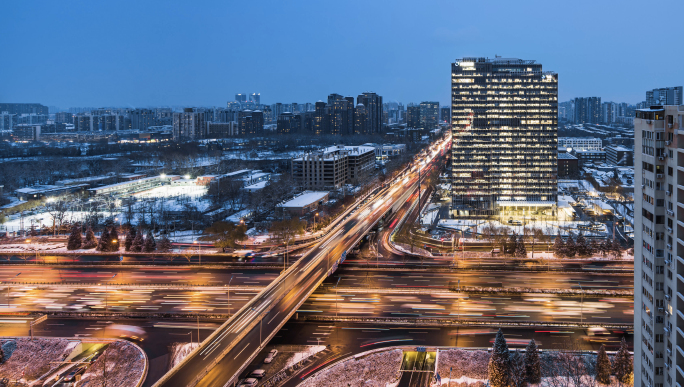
[(568, 165), (38, 192), (589, 156), (333, 167), (306, 202), (133, 186), (620, 155)]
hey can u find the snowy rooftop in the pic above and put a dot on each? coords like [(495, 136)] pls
[(256, 186), (305, 199)]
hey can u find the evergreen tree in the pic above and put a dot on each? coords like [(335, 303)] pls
[(150, 244), (512, 243), (616, 248), (129, 238), (603, 366), (520, 249), (114, 241), (570, 247), (559, 247), (138, 242), (164, 244), (594, 247), (622, 365), (582, 246), (532, 363), (500, 362), (75, 240), (605, 247), (90, 240), (104, 241)]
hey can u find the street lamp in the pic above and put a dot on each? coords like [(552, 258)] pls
[(199, 252), (228, 294), (581, 303), (315, 215)]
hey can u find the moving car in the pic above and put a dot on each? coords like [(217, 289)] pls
[(271, 355), (72, 375)]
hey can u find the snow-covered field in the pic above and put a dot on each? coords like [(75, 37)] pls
[(125, 365), (375, 370), (33, 358)]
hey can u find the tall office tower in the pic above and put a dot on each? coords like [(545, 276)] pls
[(588, 110), (413, 116), (241, 97), (268, 115), (320, 121), (190, 124), (445, 114), (256, 98), (373, 104), (429, 115), (141, 119), (24, 108), (504, 117), (658, 248), (661, 96)]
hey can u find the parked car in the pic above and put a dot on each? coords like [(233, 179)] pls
[(258, 373), (72, 375), (271, 355), (249, 382)]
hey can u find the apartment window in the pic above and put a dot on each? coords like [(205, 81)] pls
[(659, 286), (659, 370), (660, 269), (670, 171), (660, 202), (659, 338)]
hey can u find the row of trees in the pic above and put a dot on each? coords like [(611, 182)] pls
[(581, 247), (109, 240), (567, 367)]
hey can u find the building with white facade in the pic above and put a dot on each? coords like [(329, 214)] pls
[(580, 143)]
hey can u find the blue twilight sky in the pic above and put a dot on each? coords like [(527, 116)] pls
[(200, 53)]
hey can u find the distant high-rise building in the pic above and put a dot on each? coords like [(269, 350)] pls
[(588, 110), (340, 115), (24, 108), (241, 97), (609, 112), (7, 120), (190, 124), (413, 116), (429, 115), (221, 129), (256, 98), (445, 114), (663, 96), (373, 104), (141, 119), (250, 122), (289, 123), (320, 121), (504, 155), (64, 117)]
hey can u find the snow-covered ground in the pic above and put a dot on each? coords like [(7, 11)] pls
[(378, 370), (548, 227)]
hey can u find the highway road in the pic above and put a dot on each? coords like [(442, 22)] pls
[(462, 306), (166, 275), (271, 308), (323, 302), (342, 338), (349, 276), (356, 274)]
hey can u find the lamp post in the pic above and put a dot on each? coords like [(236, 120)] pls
[(199, 252), (315, 215), (228, 294), (581, 303)]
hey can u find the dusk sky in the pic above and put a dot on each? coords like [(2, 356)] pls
[(200, 53)]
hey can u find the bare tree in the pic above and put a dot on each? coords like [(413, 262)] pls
[(57, 208)]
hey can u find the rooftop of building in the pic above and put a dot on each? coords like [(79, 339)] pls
[(566, 156), (619, 148), (306, 198)]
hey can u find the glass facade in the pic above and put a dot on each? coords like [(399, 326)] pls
[(505, 125)]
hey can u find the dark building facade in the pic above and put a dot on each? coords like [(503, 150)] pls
[(587, 110), (373, 104), (429, 115), (413, 116), (568, 165), (504, 117), (190, 124)]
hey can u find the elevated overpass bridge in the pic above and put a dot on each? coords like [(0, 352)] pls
[(220, 359)]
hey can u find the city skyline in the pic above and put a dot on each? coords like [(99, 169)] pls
[(147, 69)]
